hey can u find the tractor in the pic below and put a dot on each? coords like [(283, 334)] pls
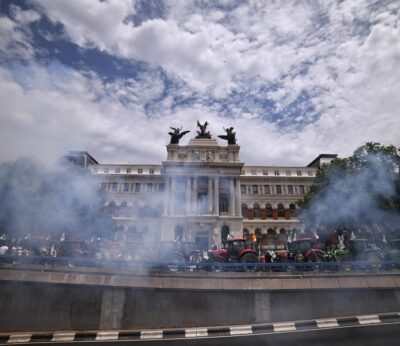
[(360, 250), (301, 250), (177, 254), (235, 251)]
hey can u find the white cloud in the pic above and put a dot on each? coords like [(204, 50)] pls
[(15, 35), (344, 55)]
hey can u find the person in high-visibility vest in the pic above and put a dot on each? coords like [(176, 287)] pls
[(254, 238)]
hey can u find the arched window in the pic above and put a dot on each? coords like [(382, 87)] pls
[(178, 233), (271, 239), (282, 239), (281, 210), (246, 233), (224, 234), (111, 207), (124, 208), (268, 210), (244, 210), (292, 209), (256, 209)]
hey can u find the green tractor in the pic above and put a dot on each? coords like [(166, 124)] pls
[(360, 250)]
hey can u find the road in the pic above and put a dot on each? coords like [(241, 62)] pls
[(383, 333)]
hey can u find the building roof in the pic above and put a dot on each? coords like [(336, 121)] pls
[(322, 156)]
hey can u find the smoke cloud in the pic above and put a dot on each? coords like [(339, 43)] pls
[(358, 196), (40, 201)]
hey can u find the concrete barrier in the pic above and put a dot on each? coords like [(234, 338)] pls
[(44, 301)]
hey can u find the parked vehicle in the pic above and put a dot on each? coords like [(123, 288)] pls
[(301, 250), (360, 250), (236, 250)]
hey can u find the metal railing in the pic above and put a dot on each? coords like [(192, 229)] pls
[(154, 266)]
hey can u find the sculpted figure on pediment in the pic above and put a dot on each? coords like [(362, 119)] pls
[(230, 135), (176, 135), (209, 156), (203, 133), (196, 155)]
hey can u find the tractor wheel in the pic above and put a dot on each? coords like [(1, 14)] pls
[(175, 263), (316, 257), (216, 264), (249, 258), (375, 260)]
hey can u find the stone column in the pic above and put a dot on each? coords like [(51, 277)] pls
[(194, 196), (216, 196), (188, 195), (172, 194), (231, 197), (166, 197), (237, 197), (210, 195)]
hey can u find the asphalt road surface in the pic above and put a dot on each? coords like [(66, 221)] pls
[(363, 335)]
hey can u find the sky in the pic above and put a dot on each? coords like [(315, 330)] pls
[(294, 78)]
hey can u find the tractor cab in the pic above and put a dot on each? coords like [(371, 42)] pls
[(235, 248), (357, 247), (301, 246)]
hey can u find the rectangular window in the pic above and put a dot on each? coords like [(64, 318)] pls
[(151, 170), (114, 187), (276, 172), (243, 172), (290, 189), (265, 172), (126, 187), (253, 172), (103, 186), (129, 170), (288, 173), (161, 187), (223, 202), (255, 189), (140, 170), (94, 170), (149, 187), (117, 170), (106, 170), (301, 189), (243, 189), (310, 173), (267, 191), (299, 173), (278, 189), (137, 187)]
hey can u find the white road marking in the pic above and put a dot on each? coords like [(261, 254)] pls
[(368, 319), (195, 332), (239, 330), (327, 323), (15, 338), (63, 337), (151, 334), (284, 327), (107, 335)]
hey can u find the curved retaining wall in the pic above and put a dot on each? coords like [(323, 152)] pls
[(37, 301)]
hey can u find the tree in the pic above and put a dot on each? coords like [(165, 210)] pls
[(361, 189)]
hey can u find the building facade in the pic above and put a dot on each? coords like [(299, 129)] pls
[(202, 193)]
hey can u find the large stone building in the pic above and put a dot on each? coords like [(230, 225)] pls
[(202, 193)]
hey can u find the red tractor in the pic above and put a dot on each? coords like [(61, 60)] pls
[(301, 250), (236, 250)]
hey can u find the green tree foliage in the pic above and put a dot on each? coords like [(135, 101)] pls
[(362, 188), (38, 201)]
